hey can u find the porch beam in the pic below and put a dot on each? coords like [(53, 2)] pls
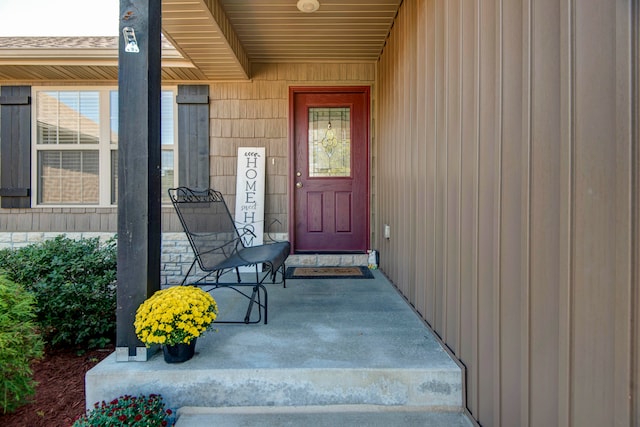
[(139, 186), (202, 32)]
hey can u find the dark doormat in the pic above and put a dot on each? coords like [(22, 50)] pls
[(328, 273)]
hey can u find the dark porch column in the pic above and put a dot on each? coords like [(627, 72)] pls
[(139, 233)]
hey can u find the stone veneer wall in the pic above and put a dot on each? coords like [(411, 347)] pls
[(176, 253)]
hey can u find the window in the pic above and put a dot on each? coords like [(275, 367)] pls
[(76, 146)]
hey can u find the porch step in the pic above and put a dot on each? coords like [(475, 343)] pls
[(319, 260), (320, 416), (214, 379), (330, 344)]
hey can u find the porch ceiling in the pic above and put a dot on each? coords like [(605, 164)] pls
[(276, 31), (218, 40), (222, 37)]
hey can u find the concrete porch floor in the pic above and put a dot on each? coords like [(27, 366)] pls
[(344, 345)]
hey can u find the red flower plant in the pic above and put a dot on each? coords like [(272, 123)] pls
[(129, 411)]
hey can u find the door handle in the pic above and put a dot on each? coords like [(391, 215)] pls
[(298, 184)]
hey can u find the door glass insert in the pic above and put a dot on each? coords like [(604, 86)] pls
[(330, 142)]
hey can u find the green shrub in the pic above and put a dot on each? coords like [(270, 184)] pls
[(19, 344), (128, 411), (74, 285)]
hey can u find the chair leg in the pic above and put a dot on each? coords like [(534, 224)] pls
[(256, 294), (247, 316), (188, 272), (266, 304), (284, 279), (274, 273), (252, 299)]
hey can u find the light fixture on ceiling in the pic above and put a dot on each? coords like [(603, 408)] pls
[(308, 6)]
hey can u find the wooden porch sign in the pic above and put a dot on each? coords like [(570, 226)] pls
[(250, 195)]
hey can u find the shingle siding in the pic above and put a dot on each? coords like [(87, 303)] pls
[(241, 114)]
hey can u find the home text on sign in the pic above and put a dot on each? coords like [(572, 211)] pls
[(250, 182)]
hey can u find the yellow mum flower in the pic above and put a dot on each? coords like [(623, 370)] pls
[(174, 315)]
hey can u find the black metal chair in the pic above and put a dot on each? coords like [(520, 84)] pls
[(219, 248)]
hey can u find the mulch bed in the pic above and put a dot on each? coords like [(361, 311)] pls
[(59, 398)]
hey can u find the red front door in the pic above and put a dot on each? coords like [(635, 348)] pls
[(330, 198)]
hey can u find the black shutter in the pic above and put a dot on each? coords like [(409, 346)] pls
[(193, 135), (15, 138)]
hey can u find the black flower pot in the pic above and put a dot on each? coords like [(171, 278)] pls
[(180, 352)]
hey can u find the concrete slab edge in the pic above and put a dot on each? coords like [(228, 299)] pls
[(311, 409)]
